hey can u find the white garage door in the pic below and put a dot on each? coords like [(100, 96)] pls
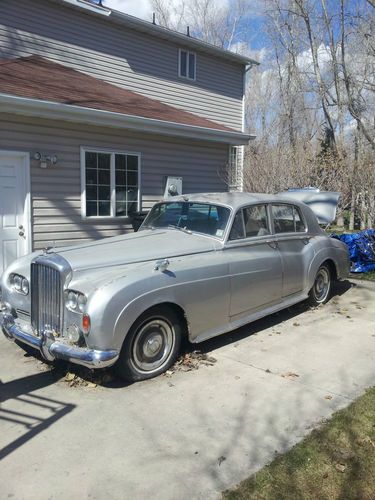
[(14, 209)]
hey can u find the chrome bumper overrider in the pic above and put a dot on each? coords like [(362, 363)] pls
[(51, 348)]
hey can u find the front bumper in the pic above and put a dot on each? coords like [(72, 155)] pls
[(51, 348)]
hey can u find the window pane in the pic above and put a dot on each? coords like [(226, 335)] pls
[(132, 179), (92, 193), (104, 208), (192, 66), (132, 163), (183, 63), (120, 162), (299, 225), (256, 221), (104, 193), (120, 178), (104, 161), (121, 209), (91, 160), (104, 177), (91, 209), (237, 231), (91, 177), (283, 218)]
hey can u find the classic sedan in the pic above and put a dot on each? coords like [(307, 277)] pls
[(200, 266)]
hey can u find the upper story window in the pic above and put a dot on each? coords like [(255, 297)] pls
[(110, 183), (287, 219), (187, 64), (249, 222)]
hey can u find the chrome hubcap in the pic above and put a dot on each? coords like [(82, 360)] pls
[(321, 285), (152, 345)]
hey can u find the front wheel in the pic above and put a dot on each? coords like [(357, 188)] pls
[(320, 292), (151, 346)]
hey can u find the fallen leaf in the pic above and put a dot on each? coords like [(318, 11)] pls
[(290, 375), (221, 459), (91, 385), (328, 396), (70, 376), (296, 323), (340, 467)]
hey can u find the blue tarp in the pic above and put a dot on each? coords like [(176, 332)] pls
[(361, 250)]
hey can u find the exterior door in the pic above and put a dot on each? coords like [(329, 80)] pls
[(14, 213), (255, 263)]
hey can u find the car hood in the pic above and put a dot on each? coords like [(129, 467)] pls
[(146, 245)]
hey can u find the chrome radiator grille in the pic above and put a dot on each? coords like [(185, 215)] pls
[(46, 298)]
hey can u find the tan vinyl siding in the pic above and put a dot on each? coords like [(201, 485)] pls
[(56, 191), (124, 57)]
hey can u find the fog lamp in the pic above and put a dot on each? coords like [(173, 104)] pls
[(73, 334)]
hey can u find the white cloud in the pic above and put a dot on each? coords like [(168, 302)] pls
[(305, 60), (140, 8)]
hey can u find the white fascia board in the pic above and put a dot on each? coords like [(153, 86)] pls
[(66, 112)]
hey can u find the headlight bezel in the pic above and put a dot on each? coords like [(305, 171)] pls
[(75, 301), (19, 283)]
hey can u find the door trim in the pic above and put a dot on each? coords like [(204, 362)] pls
[(27, 205)]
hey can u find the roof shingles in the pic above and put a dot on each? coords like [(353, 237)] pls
[(38, 78)]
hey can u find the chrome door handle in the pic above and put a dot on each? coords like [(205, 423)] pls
[(21, 233), (272, 244)]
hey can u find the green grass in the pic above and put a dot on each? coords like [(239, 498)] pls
[(364, 276), (336, 461)]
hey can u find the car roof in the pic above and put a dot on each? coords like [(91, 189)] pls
[(234, 199)]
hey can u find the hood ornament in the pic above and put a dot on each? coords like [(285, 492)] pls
[(161, 265)]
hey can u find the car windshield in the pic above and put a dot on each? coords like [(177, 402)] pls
[(189, 216)]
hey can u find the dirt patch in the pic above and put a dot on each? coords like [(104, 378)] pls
[(191, 361)]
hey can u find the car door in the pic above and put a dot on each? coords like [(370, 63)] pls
[(294, 244), (254, 262)]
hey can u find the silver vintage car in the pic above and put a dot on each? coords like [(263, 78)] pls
[(200, 265)]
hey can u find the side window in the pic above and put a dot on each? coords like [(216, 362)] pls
[(238, 230), (287, 219), (187, 64), (256, 221)]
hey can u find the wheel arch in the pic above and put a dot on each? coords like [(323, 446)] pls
[(130, 315), (332, 268)]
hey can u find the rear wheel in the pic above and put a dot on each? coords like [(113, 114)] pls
[(152, 344), (321, 289)]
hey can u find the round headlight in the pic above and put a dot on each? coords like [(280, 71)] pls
[(82, 302), (72, 301), (18, 283), (25, 286)]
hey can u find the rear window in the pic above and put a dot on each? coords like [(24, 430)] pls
[(287, 219)]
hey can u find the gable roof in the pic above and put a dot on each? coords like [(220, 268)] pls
[(135, 23), (38, 79)]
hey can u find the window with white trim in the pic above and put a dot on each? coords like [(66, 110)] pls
[(111, 183), (187, 64)]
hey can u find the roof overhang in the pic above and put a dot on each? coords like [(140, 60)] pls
[(78, 114), (157, 30)]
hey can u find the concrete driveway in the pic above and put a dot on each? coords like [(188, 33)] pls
[(195, 433)]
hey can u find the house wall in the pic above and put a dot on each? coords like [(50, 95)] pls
[(56, 192), (122, 56)]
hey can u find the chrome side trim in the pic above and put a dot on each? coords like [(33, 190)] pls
[(91, 358)]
